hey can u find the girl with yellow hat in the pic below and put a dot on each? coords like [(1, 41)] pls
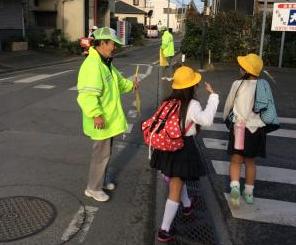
[(240, 103), (184, 164)]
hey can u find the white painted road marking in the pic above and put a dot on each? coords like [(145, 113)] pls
[(77, 221), (74, 225), (120, 146), (130, 128), (146, 74), (285, 133), (44, 86), (73, 88), (215, 144), (271, 174), (32, 79), (40, 77), (287, 120), (266, 210), (132, 113), (90, 215), (6, 78)]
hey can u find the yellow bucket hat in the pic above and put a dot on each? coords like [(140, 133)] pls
[(251, 63), (185, 77)]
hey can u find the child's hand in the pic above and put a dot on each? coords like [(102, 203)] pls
[(209, 88)]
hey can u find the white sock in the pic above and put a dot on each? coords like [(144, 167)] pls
[(170, 211), (234, 183), (184, 197), (249, 189)]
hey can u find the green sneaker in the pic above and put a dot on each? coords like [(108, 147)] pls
[(235, 196), (249, 198)]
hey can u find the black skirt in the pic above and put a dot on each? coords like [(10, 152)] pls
[(184, 163), (255, 144)]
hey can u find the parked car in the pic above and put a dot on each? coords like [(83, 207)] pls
[(152, 31)]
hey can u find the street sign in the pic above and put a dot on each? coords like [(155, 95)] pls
[(284, 17)]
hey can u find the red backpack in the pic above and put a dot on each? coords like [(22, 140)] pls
[(162, 131)]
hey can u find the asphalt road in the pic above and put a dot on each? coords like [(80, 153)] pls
[(44, 155)]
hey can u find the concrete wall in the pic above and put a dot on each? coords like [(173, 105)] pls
[(71, 18), (70, 15)]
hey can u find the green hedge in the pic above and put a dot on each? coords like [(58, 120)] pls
[(231, 34)]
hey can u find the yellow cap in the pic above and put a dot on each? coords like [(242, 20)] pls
[(185, 77), (251, 63)]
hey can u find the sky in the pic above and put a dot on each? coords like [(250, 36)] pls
[(198, 3)]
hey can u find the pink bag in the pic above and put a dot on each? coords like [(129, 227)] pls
[(239, 135)]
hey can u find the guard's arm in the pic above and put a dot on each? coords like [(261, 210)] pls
[(90, 88), (125, 85)]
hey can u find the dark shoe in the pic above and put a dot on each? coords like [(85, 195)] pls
[(164, 236), (187, 211)]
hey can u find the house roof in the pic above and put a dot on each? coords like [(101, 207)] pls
[(124, 8)]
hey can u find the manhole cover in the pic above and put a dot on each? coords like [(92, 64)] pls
[(23, 216)]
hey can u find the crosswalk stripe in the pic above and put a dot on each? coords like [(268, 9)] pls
[(6, 78), (32, 79), (287, 120), (263, 173), (40, 77), (44, 86), (285, 133), (132, 113), (216, 144), (130, 128), (265, 210), (73, 88)]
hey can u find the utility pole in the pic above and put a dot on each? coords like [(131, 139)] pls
[(23, 21), (182, 16), (204, 29), (263, 28), (168, 12)]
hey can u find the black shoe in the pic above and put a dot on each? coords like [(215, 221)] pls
[(164, 236), (187, 211)]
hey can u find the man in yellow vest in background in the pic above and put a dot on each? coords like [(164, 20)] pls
[(168, 50), (99, 86)]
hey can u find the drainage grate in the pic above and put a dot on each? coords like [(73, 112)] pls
[(196, 228), (23, 216)]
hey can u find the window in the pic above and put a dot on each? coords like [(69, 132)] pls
[(46, 19), (136, 2), (171, 11)]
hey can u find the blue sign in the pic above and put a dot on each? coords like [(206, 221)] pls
[(292, 18)]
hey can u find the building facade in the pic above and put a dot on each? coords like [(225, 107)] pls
[(160, 12), (125, 11), (11, 19)]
